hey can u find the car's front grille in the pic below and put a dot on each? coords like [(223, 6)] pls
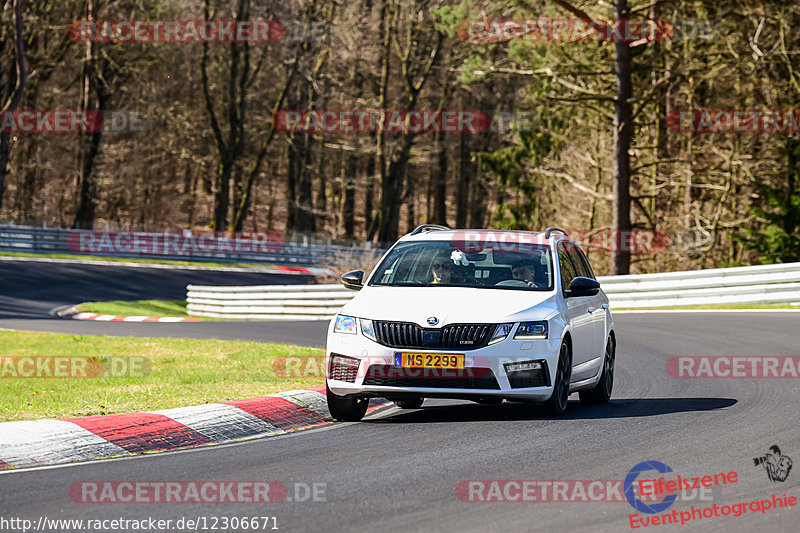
[(451, 337), (432, 378), (344, 372)]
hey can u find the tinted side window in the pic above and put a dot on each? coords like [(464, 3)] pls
[(580, 266), (586, 264), (567, 269)]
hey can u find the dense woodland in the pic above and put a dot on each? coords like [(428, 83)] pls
[(591, 146)]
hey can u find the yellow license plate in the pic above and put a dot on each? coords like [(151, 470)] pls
[(428, 360)]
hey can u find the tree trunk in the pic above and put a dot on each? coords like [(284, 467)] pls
[(349, 204), (411, 206), (440, 183), (479, 203), (291, 188), (464, 181), (623, 135), (321, 201), (384, 29), (369, 195), (391, 191), (222, 187), (21, 65), (230, 145), (89, 143), (304, 220)]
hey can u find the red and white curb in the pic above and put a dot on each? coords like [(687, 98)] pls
[(73, 314), (311, 271), (47, 442)]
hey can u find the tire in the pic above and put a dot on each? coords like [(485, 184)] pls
[(415, 403), (489, 400), (557, 403), (346, 409), (601, 393)]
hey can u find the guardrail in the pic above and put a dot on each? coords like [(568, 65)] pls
[(756, 284), (271, 302), (304, 253), (737, 285)]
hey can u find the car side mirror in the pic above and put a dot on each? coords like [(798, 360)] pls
[(581, 286), (353, 280)]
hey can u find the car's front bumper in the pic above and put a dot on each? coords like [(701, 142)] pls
[(484, 375)]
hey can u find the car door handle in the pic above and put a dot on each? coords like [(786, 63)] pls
[(604, 306), (591, 309)]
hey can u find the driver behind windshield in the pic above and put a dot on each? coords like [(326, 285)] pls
[(532, 274), (523, 273), (442, 269)]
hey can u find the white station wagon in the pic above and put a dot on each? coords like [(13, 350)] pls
[(472, 314)]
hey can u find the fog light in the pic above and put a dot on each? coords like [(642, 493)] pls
[(519, 367), (346, 361), (524, 374), (343, 368)]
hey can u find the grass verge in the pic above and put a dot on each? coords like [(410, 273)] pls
[(173, 308), (152, 308), (179, 372)]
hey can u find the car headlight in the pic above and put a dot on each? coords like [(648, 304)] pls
[(532, 330), (500, 333), (345, 324), (367, 330)]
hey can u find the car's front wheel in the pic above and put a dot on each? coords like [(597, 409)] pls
[(346, 409), (414, 403), (557, 403), (601, 393)]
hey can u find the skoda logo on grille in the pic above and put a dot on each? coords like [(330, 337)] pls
[(432, 320)]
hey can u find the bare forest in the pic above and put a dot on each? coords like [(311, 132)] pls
[(582, 132)]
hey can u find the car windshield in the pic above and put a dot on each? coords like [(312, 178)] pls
[(439, 263)]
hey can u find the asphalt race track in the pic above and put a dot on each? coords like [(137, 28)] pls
[(398, 470), (31, 291)]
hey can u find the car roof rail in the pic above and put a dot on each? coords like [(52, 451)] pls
[(548, 231), (429, 227)]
